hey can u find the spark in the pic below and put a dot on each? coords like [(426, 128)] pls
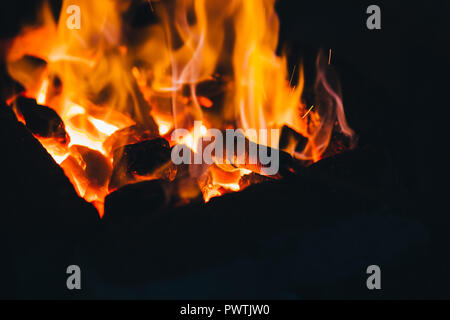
[(308, 112), (329, 57), (292, 75)]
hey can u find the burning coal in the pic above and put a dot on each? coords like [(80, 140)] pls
[(108, 101)]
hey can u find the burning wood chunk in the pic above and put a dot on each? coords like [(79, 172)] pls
[(251, 179), (277, 160), (73, 169), (89, 171), (339, 143), (225, 177), (127, 136), (291, 141), (44, 123), (144, 198), (216, 182), (147, 160), (97, 167)]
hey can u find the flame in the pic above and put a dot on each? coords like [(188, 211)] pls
[(192, 138), (262, 96), (103, 126), (109, 83), (42, 95)]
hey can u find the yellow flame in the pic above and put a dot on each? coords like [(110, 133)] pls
[(82, 135), (163, 129), (42, 94), (73, 110), (103, 126)]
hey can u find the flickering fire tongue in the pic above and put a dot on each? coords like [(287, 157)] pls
[(107, 108)]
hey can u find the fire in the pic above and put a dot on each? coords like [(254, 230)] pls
[(103, 126), (42, 95), (206, 60), (163, 129)]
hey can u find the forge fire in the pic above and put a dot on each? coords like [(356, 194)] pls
[(114, 104)]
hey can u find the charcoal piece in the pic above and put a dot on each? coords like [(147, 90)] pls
[(183, 170), (339, 143), (132, 201), (42, 121), (141, 161), (224, 177), (126, 136), (89, 171), (73, 169), (217, 181), (98, 169), (286, 164), (291, 140), (251, 179)]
